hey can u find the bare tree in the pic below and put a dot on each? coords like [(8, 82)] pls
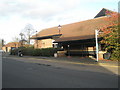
[(15, 39), (28, 31)]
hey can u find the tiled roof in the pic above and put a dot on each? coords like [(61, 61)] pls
[(75, 30), (103, 13), (13, 44)]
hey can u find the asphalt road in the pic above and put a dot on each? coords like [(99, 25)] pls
[(0, 70), (17, 73)]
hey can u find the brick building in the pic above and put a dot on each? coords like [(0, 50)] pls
[(11, 46), (76, 38)]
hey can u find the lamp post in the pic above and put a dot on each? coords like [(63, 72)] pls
[(36, 39), (59, 27)]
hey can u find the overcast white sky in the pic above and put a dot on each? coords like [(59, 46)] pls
[(16, 14)]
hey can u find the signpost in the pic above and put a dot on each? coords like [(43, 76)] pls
[(97, 49)]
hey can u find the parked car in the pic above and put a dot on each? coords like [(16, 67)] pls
[(20, 53)]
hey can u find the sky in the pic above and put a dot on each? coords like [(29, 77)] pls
[(41, 14)]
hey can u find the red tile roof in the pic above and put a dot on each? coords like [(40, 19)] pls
[(76, 31), (13, 44)]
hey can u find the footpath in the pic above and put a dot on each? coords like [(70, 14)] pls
[(112, 66), (75, 60)]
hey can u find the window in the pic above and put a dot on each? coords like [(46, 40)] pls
[(55, 45)]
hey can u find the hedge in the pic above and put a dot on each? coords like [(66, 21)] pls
[(30, 51)]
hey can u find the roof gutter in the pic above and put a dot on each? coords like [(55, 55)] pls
[(46, 37)]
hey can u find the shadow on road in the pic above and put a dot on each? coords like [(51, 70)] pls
[(44, 74)]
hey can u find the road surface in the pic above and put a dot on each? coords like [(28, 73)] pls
[(22, 73)]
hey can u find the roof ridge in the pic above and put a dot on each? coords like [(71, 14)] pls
[(75, 22)]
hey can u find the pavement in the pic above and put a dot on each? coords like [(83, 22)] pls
[(112, 66), (26, 72), (74, 60)]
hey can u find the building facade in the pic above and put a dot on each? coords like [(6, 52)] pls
[(10, 46), (77, 39)]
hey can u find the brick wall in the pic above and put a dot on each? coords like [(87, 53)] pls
[(45, 43)]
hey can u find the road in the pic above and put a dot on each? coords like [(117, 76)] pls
[(24, 73), (0, 70)]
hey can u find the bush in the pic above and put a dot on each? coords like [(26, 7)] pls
[(30, 51), (115, 55), (48, 52), (14, 52), (36, 52), (44, 52), (27, 51)]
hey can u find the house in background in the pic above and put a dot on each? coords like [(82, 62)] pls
[(11, 46), (77, 39)]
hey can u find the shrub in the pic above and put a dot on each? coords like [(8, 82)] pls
[(48, 51), (111, 37), (115, 55), (14, 52), (44, 52), (30, 51), (36, 52)]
